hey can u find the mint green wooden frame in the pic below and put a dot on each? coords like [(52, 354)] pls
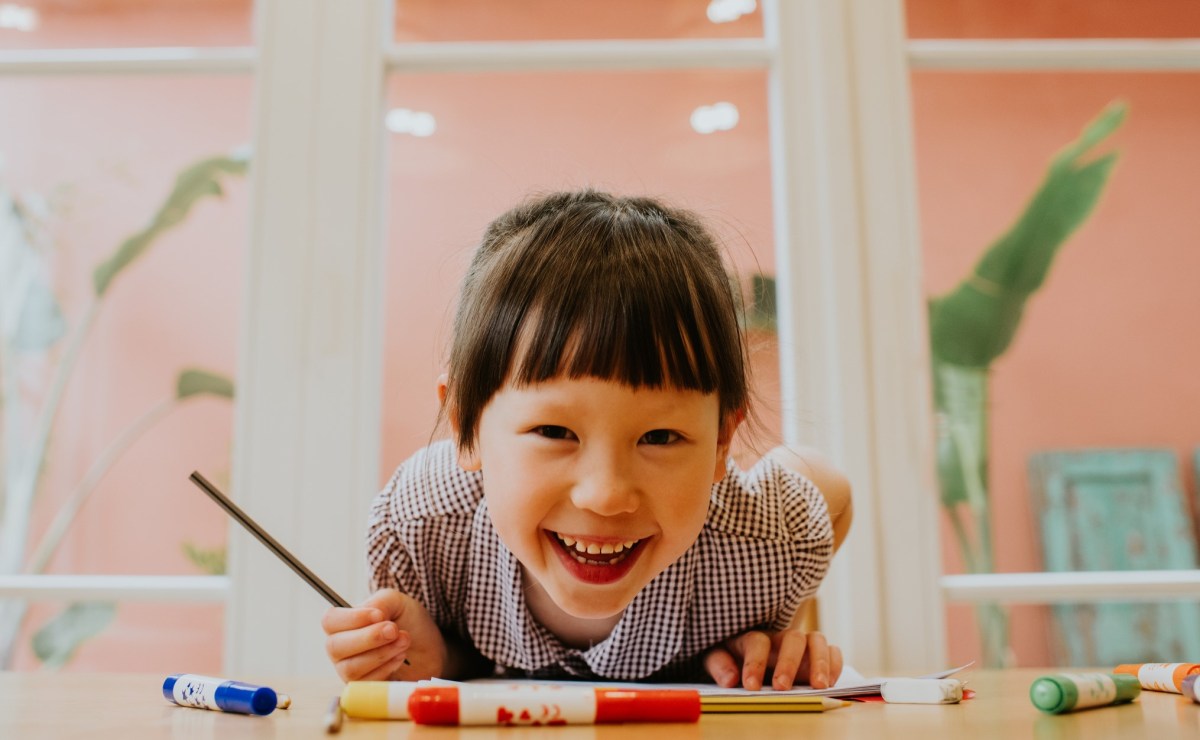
[(1116, 509)]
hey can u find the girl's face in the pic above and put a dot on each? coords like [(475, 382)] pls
[(597, 487)]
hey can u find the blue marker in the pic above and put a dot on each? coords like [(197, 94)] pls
[(206, 692)]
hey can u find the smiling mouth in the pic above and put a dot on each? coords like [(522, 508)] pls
[(596, 553)]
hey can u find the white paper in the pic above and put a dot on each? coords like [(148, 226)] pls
[(850, 683)]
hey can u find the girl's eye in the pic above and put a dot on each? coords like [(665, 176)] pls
[(550, 431), (660, 437)]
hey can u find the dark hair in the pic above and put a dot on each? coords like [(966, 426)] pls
[(588, 284)]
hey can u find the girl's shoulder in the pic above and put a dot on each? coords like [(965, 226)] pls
[(767, 501), (431, 484)]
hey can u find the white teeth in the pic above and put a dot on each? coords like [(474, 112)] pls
[(593, 548)]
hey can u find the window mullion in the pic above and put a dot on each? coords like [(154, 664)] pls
[(309, 393)]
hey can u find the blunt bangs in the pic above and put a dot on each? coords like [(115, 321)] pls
[(614, 289)]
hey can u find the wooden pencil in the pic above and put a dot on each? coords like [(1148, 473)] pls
[(747, 704), (261, 535)]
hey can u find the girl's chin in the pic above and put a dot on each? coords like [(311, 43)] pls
[(590, 608)]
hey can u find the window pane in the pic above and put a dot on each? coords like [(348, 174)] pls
[(465, 148), (96, 24), (1063, 634), (529, 20), (89, 163), (142, 638), (1102, 359), (984, 19)]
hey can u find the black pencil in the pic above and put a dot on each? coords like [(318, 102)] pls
[(280, 551)]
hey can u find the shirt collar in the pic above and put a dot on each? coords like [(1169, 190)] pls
[(648, 635)]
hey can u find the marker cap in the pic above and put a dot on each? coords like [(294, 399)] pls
[(235, 696), (432, 705), (670, 705), (230, 696), (1050, 695)]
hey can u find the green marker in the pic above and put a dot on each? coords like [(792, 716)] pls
[(1067, 692)]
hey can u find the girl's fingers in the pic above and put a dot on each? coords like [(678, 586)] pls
[(721, 665), (835, 664), (755, 649), (372, 662), (791, 654), (385, 671), (342, 645), (792, 646), (388, 601), (341, 619), (818, 661)]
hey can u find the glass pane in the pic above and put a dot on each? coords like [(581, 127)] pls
[(1031, 19), (466, 148), (1101, 363), (530, 20), (1065, 634), (100, 24), (121, 321), (142, 638)]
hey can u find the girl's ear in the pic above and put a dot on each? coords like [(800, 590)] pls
[(441, 388), (725, 440), (467, 460)]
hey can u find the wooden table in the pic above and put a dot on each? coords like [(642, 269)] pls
[(99, 706)]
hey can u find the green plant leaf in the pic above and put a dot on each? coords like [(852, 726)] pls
[(56, 642), (33, 319), (975, 323), (197, 181), (193, 382), (209, 560), (39, 321), (762, 312)]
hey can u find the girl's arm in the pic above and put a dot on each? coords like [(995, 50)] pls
[(792, 653), (828, 480)]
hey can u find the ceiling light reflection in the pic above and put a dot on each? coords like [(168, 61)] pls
[(18, 17), (726, 11), (716, 117), (411, 122)]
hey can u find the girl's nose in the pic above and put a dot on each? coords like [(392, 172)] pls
[(605, 489)]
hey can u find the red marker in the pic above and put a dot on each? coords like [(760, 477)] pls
[(536, 705)]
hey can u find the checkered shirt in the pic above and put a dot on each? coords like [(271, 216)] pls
[(764, 548)]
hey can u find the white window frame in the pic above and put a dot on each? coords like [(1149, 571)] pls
[(852, 329)]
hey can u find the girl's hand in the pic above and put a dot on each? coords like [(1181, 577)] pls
[(792, 656), (370, 642)]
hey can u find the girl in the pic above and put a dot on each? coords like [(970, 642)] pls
[(586, 521)]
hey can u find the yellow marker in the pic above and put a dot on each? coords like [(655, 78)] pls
[(377, 699)]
